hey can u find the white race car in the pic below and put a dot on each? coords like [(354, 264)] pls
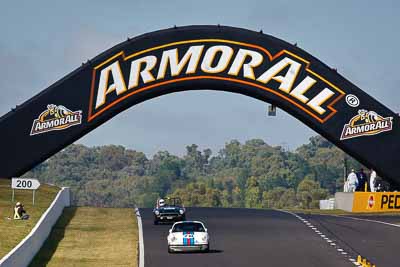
[(188, 236)]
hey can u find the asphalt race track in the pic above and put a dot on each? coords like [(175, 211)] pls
[(379, 243), (244, 237)]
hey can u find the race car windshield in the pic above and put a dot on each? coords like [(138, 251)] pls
[(189, 227), (173, 202)]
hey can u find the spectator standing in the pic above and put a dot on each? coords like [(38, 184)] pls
[(362, 180), (352, 181), (346, 186), (372, 181)]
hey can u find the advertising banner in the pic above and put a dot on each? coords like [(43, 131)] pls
[(376, 202)]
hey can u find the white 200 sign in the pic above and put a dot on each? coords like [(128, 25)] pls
[(18, 183)]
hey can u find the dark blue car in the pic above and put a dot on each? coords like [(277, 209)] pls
[(169, 210)]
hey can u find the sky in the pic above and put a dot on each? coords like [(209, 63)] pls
[(42, 41)]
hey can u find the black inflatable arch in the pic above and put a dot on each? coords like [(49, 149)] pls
[(201, 57)]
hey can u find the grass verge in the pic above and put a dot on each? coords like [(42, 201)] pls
[(13, 231), (87, 236)]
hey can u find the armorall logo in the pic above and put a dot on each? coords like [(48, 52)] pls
[(55, 118), (283, 74), (366, 123)]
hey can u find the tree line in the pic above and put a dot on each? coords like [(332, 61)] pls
[(252, 174)]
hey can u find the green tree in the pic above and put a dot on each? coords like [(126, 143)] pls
[(309, 193), (253, 194)]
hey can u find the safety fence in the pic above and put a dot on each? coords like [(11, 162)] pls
[(24, 252)]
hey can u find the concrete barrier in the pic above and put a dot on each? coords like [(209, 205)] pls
[(327, 204), (24, 252), (344, 201)]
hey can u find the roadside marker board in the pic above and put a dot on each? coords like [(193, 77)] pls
[(29, 184), (25, 184)]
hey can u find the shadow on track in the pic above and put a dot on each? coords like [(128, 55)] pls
[(211, 251), (215, 251)]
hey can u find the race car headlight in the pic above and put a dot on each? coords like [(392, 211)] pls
[(173, 238), (204, 238), (157, 212), (181, 211)]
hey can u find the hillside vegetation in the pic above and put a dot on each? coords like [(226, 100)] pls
[(13, 231), (251, 174)]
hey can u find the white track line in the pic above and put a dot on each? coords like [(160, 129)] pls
[(365, 220), (330, 242), (141, 244)]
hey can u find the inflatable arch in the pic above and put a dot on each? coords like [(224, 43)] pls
[(201, 57)]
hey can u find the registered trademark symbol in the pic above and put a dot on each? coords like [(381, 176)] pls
[(352, 101)]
